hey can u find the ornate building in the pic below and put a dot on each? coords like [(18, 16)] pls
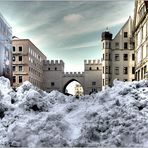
[(5, 49), (140, 32)]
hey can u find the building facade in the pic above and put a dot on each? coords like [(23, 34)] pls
[(78, 90), (140, 32), (54, 77), (125, 57), (27, 63), (30, 64), (118, 56), (5, 49)]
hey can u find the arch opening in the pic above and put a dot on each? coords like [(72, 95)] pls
[(74, 88)]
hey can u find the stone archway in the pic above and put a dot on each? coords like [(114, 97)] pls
[(69, 81)]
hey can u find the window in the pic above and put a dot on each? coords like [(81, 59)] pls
[(103, 56), (52, 83), (106, 56), (20, 68), (20, 58), (133, 57), (125, 57), (109, 45), (125, 34), (116, 70), (55, 68), (141, 73), (144, 69), (14, 79), (106, 70), (93, 83), (106, 81), (109, 70), (13, 67), (117, 45), (125, 45), (125, 70), (142, 33), (20, 79), (116, 57), (89, 68), (125, 80), (103, 82), (146, 50), (20, 49), (97, 68), (133, 79), (138, 75), (133, 70), (142, 11), (109, 57), (48, 68), (13, 59), (13, 48), (106, 45), (103, 69)]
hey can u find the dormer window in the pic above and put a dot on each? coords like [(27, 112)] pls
[(142, 11)]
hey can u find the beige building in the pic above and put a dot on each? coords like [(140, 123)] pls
[(78, 90), (27, 63), (141, 38), (118, 56)]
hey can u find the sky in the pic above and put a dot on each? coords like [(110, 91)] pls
[(67, 30)]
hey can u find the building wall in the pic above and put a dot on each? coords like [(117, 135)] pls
[(36, 58), (78, 90), (130, 63), (141, 38), (58, 80), (53, 75), (92, 76), (118, 56), (30, 67), (5, 49)]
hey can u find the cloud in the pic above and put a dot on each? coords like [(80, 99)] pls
[(62, 28), (73, 18)]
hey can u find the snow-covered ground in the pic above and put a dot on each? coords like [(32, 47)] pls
[(31, 117)]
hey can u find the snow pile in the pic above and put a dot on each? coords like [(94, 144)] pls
[(31, 117)]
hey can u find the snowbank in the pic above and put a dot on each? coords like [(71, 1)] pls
[(31, 117)]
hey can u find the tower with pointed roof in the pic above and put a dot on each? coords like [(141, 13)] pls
[(118, 55), (106, 63)]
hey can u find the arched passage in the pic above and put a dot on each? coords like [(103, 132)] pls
[(79, 86)]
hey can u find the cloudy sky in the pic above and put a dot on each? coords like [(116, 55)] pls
[(68, 30)]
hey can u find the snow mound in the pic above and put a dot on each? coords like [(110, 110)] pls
[(30, 117)]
